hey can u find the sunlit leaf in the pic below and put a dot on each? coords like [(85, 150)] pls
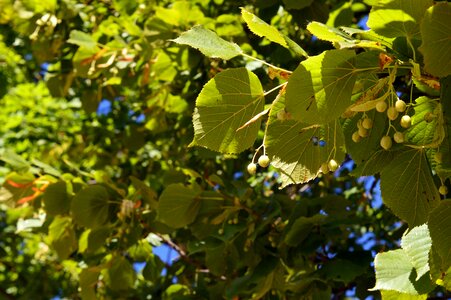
[(320, 89), (209, 43), (263, 29), (417, 245), (394, 272), (424, 132), (227, 102), (396, 18)]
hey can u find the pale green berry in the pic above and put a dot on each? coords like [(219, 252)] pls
[(363, 132), (400, 105), (443, 190), (252, 168), (359, 124), (386, 142), (333, 165), (367, 123), (381, 106), (406, 121), (392, 113), (398, 137), (263, 161), (356, 137)]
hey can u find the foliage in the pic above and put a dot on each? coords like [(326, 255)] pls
[(101, 164)]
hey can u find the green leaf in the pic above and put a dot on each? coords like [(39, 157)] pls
[(394, 272), (92, 239), (445, 147), (15, 161), (178, 205), (301, 228), (88, 281), (297, 4), (227, 102), (320, 89), (209, 43), (327, 33), (393, 295), (90, 206), (56, 199), (263, 29), (341, 15), (375, 163), (343, 270), (120, 276), (141, 251), (398, 18), (152, 270), (408, 188), (440, 229), (176, 292), (423, 132), (83, 40), (177, 13), (339, 38), (436, 35), (417, 245), (215, 259), (299, 149), (62, 236)]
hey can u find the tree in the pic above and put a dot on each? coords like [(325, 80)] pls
[(219, 132)]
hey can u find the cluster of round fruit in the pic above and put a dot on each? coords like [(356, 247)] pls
[(365, 124), (263, 161)]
